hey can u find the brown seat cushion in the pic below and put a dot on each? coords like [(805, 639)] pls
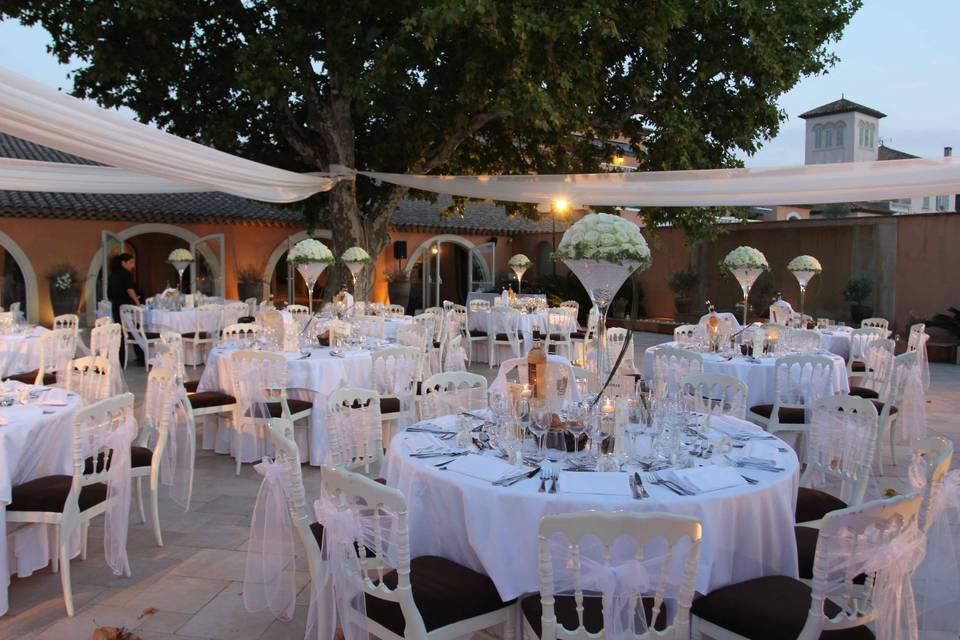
[(863, 392), (858, 366), (29, 377), (296, 406), (317, 530), (559, 337), (807, 549), (389, 405), (139, 457), (436, 344), (788, 415), (565, 608), (444, 592), (49, 494), (879, 405), (191, 386), (477, 333), (192, 334), (207, 399), (151, 335), (813, 504), (578, 335), (246, 320), (503, 337), (770, 608)]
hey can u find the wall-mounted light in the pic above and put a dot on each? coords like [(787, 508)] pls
[(435, 249)]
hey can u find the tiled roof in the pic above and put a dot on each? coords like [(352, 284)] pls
[(478, 218), (841, 106), (886, 153)]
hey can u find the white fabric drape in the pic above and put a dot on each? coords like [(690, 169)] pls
[(143, 159)]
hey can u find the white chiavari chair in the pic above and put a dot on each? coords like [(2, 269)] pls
[(799, 381), (561, 324), (67, 503), (804, 340), (840, 601), (206, 333), (685, 334), (504, 331), (478, 304), (616, 337), (582, 554), (232, 312), (715, 394), (454, 356), (937, 454), (260, 379), (68, 321), (876, 323), (105, 320), (582, 339), (876, 374), (388, 578), (672, 365), (446, 393), (860, 341), (354, 429), (242, 334), (89, 377), (780, 313), (131, 319), (300, 313), (891, 403), (57, 349), (105, 342), (396, 372), (368, 327)]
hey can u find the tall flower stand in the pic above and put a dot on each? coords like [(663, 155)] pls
[(746, 277), (355, 269), (310, 272), (803, 279), (519, 271), (180, 266)]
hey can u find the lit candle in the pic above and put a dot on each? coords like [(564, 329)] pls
[(607, 407), (526, 393)]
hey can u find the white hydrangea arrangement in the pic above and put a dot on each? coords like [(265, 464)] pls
[(804, 264), (63, 282), (356, 255), (180, 255), (310, 250), (520, 261), (744, 257), (605, 238)]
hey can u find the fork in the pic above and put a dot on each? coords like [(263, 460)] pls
[(554, 480), (544, 475)]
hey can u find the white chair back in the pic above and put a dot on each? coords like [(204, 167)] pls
[(685, 334), (396, 371), (716, 394), (233, 311), (244, 334), (105, 341), (671, 365), (804, 340), (354, 429), (877, 323), (260, 377), (412, 335), (173, 342), (879, 365), (479, 304), (801, 380), (89, 377), (451, 392), (454, 356), (67, 321), (300, 313), (917, 332), (57, 349), (932, 458), (368, 327), (394, 311), (616, 337), (105, 320), (780, 314)]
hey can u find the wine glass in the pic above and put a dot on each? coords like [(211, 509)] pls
[(540, 419)]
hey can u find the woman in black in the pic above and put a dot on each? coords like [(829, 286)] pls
[(122, 289)]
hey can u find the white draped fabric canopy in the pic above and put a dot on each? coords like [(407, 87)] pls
[(143, 159)]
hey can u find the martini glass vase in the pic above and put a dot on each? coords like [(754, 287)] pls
[(310, 271), (746, 277), (803, 278), (355, 269), (602, 280), (519, 271), (180, 266)]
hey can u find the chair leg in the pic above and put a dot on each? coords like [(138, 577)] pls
[(143, 515), (126, 353), (84, 530), (64, 554), (55, 550), (893, 450), (155, 513)]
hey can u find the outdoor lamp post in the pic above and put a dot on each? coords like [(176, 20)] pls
[(558, 207)]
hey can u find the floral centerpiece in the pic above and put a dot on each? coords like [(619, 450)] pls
[(65, 288), (745, 264), (603, 250), (519, 263), (804, 268), (310, 257), (180, 259), (355, 258)]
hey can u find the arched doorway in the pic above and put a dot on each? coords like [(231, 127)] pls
[(18, 280), (150, 244), (444, 267), (281, 281)]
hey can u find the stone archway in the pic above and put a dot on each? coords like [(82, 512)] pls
[(32, 312), (281, 249), (440, 239)]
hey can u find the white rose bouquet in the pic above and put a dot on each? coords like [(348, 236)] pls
[(746, 258), (605, 238), (804, 264), (180, 255), (520, 261), (356, 255), (310, 250)]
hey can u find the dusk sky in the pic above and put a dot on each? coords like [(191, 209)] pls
[(897, 57)]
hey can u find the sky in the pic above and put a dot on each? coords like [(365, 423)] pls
[(896, 56)]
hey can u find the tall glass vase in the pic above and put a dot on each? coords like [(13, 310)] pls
[(310, 271), (803, 278), (519, 271), (355, 269), (746, 277), (180, 266), (602, 280)]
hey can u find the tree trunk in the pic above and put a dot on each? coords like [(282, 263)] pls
[(346, 227)]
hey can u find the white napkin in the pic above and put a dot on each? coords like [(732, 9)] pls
[(611, 483), (53, 397), (485, 467), (423, 442), (761, 451), (703, 479)]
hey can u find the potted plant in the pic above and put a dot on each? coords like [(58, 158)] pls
[(249, 283), (858, 290), (682, 283), (398, 287), (65, 288)]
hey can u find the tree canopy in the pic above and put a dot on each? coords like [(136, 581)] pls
[(452, 86)]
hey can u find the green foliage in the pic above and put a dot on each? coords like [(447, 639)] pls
[(683, 282), (841, 210), (488, 86), (857, 290), (949, 323), (249, 275), (398, 275)]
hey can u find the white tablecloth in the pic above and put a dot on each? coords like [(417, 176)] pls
[(20, 352), (390, 325), (529, 322), (747, 531), (313, 378), (32, 444), (759, 375), (836, 342), (159, 320)]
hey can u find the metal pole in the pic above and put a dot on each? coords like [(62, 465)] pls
[(554, 214)]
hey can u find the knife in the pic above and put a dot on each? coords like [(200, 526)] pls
[(639, 481)]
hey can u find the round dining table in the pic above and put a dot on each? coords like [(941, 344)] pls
[(310, 377), (481, 320), (758, 374), (747, 528), (20, 351), (35, 441)]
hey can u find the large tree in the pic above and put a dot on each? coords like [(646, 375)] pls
[(458, 86)]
